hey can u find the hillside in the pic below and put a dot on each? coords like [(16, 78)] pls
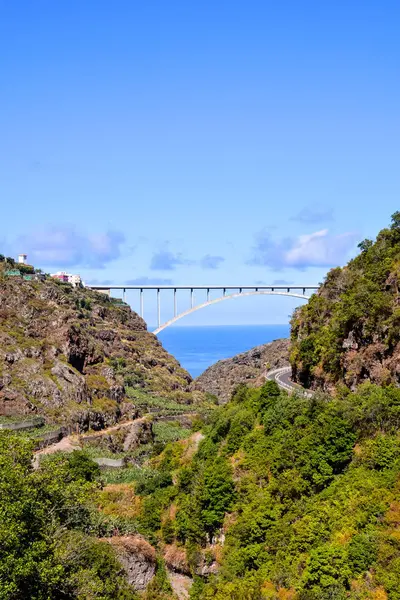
[(279, 498), (349, 332), (286, 498), (78, 357), (247, 368), (266, 497)]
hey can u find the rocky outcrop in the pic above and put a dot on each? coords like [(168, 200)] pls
[(222, 378), (137, 557), (176, 559), (70, 354), (180, 584), (123, 437)]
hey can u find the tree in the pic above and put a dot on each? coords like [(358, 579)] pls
[(217, 494), (395, 220), (365, 245), (45, 553)]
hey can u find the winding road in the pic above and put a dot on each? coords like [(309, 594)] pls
[(282, 377)]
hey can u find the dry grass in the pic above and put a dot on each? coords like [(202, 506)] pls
[(119, 500), (175, 558), (270, 592), (133, 544)]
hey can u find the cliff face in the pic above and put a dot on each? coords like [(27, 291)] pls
[(222, 378), (137, 558), (349, 332), (70, 353)]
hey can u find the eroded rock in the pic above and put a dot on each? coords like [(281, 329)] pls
[(137, 557)]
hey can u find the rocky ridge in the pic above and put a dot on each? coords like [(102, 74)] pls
[(71, 354), (248, 368)]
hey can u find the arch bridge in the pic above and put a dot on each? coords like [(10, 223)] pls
[(225, 292)]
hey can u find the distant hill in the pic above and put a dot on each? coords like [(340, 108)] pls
[(223, 377)]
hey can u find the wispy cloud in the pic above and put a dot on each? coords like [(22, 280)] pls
[(274, 282), (313, 215), (318, 249), (149, 281), (99, 282), (211, 262), (64, 246), (281, 282), (165, 259)]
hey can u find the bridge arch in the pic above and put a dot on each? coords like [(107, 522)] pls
[(226, 297)]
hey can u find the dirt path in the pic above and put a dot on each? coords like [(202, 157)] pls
[(72, 442), (66, 444), (196, 439), (116, 427)]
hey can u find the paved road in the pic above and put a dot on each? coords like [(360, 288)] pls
[(282, 377)]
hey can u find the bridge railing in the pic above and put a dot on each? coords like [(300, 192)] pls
[(227, 291)]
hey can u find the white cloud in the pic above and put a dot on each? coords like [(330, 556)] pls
[(318, 249), (63, 246), (313, 214)]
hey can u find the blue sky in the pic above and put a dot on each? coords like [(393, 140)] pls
[(198, 142)]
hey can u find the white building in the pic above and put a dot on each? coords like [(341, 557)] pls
[(73, 279), (22, 259)]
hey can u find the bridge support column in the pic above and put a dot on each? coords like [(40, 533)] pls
[(124, 295), (141, 304), (158, 308), (191, 298), (175, 304)]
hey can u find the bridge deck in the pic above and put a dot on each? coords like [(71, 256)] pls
[(226, 292)]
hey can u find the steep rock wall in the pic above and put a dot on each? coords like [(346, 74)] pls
[(69, 354)]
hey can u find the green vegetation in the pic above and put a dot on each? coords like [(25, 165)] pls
[(157, 404), (350, 330), (45, 550), (166, 431), (306, 492), (45, 322), (14, 419), (269, 497)]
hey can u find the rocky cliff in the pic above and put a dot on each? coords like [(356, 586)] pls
[(69, 354), (137, 557), (248, 368), (349, 332)]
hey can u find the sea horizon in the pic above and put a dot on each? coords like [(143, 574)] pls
[(196, 349)]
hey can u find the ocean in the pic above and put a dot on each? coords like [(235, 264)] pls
[(198, 347)]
